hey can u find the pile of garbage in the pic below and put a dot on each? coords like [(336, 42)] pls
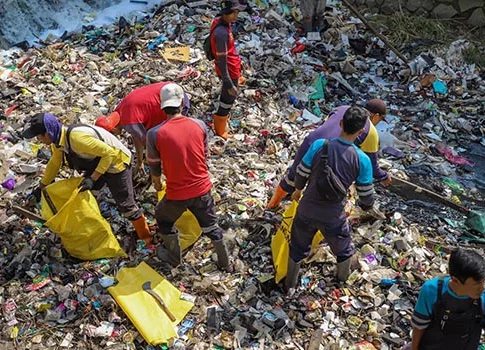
[(435, 138)]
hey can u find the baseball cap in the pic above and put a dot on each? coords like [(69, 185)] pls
[(36, 127), (231, 5), (109, 122), (376, 105), (171, 95)]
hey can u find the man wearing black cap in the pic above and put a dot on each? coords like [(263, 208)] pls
[(368, 141), (97, 153), (227, 62)]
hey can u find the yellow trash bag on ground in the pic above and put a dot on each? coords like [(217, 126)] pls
[(280, 243), (143, 310), (187, 225), (76, 218)]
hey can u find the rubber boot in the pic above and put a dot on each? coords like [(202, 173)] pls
[(220, 126), (318, 23), (142, 230), (222, 255), (171, 253), (307, 24), (278, 196), (344, 267), (291, 280)]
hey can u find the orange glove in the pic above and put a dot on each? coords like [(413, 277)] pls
[(241, 80)]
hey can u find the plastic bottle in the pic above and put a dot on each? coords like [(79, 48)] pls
[(455, 187), (388, 282), (57, 79)]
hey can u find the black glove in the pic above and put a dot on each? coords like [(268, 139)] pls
[(86, 184), (36, 194)]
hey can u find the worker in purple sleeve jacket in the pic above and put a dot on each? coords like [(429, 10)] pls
[(368, 141), (330, 167)]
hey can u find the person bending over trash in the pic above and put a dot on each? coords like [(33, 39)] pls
[(97, 153), (368, 141), (227, 62), (137, 113), (179, 147), (329, 167), (450, 311)]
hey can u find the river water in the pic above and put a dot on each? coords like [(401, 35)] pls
[(23, 19)]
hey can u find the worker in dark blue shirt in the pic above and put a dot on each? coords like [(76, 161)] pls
[(330, 166), (368, 142)]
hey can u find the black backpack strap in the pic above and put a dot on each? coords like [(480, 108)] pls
[(213, 29), (324, 155), (438, 305), (439, 298), (441, 281), (68, 135)]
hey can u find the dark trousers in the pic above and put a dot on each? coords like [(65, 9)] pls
[(203, 207), (121, 187), (225, 100), (336, 232)]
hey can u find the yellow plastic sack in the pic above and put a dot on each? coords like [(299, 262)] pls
[(84, 232), (280, 243), (187, 225), (142, 309)]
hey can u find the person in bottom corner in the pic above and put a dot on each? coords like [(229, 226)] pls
[(450, 311), (227, 62), (179, 147), (330, 167), (368, 141), (102, 158)]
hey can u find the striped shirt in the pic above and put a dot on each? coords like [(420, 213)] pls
[(428, 296)]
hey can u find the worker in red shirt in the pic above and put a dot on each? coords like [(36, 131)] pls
[(136, 114), (227, 62), (179, 147)]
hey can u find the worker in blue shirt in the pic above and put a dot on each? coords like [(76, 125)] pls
[(330, 166), (449, 313)]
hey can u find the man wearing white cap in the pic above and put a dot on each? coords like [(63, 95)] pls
[(137, 113), (179, 147)]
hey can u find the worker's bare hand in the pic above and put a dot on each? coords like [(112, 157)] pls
[(296, 195), (387, 181), (232, 91), (139, 170), (158, 186)]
